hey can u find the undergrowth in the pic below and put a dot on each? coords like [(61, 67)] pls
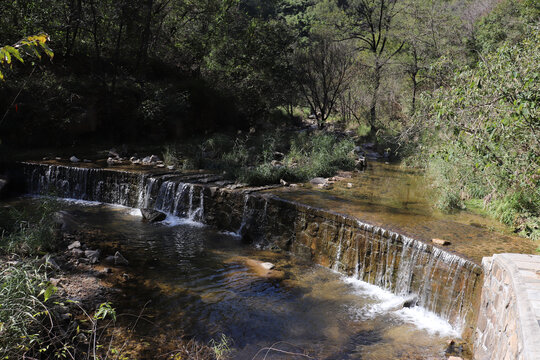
[(29, 233), (35, 323), (267, 159)]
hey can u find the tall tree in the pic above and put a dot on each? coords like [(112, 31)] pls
[(371, 23), (324, 71)]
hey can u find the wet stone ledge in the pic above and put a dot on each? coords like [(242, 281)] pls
[(508, 324)]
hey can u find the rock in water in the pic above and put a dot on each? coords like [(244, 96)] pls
[(151, 215), (440, 242), (74, 245), (318, 181), (92, 256), (74, 159), (267, 265), (119, 259)]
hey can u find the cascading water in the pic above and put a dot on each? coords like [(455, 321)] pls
[(428, 274), (337, 262), (244, 215), (440, 281), (102, 185)]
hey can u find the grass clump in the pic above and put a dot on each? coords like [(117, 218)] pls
[(307, 156), (34, 323), (30, 233)]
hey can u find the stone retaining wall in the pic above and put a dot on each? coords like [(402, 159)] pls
[(508, 324)]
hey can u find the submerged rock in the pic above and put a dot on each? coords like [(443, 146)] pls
[(151, 215), (264, 269)]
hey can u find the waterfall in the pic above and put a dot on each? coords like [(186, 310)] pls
[(102, 185), (244, 215), (338, 253), (356, 259), (442, 282)]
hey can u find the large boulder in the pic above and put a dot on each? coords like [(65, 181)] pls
[(151, 215)]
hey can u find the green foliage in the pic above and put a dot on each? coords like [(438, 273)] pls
[(516, 17), (251, 159), (483, 134), (32, 318), (221, 347), (105, 310), (309, 155), (19, 309), (28, 46), (29, 233)]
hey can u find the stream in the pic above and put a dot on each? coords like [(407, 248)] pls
[(197, 282)]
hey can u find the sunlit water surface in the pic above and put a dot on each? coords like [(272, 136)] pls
[(196, 283)]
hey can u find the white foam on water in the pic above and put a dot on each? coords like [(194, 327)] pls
[(70, 200), (231, 233), (135, 212), (428, 321), (172, 220), (386, 302)]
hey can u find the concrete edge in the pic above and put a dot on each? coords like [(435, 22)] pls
[(528, 326)]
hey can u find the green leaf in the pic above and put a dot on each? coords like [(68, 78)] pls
[(48, 292), (14, 52)]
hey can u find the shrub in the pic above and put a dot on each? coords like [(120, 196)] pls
[(480, 136)]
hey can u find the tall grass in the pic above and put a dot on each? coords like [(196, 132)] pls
[(29, 233), (251, 159)]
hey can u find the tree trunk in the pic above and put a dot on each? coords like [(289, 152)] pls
[(415, 89), (143, 49), (375, 97)]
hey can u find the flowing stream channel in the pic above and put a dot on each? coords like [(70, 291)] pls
[(198, 283)]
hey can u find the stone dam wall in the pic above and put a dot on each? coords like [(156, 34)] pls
[(426, 275), (509, 317)]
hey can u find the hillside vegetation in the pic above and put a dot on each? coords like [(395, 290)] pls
[(449, 85)]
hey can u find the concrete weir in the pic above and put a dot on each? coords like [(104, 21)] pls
[(509, 317), (445, 283)]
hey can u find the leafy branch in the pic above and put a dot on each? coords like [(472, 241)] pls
[(33, 45)]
